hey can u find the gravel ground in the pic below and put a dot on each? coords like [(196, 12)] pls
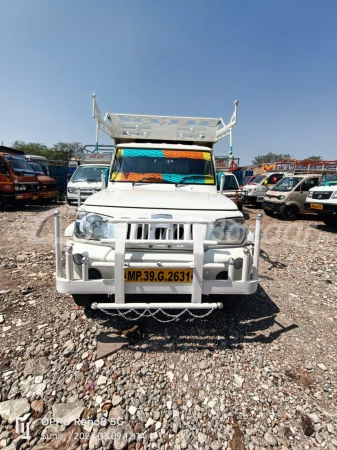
[(261, 375)]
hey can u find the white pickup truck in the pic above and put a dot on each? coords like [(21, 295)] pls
[(161, 226)]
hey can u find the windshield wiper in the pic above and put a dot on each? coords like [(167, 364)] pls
[(192, 176), (92, 180), (145, 179)]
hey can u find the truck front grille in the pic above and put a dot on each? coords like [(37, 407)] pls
[(49, 187), (168, 232), (33, 187), (321, 195)]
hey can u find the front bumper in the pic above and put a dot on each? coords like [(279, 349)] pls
[(328, 209), (27, 196), (71, 196), (245, 198), (49, 194), (205, 258), (278, 208)]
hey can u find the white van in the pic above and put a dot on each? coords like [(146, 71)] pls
[(87, 179)]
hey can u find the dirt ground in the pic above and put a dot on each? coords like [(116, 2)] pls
[(291, 320)]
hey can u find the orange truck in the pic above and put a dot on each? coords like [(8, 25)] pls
[(18, 181)]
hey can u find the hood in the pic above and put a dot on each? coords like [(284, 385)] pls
[(46, 179), (324, 188), (163, 200), (85, 184)]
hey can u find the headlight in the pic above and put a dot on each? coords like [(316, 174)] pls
[(72, 190), (227, 231), (334, 194), (310, 194), (281, 197), (93, 226)]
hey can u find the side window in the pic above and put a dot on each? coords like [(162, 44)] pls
[(274, 178), (309, 183), (3, 166)]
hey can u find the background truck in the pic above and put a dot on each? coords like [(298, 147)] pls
[(161, 226), (323, 200), (287, 197), (254, 192), (86, 179), (18, 181), (48, 185)]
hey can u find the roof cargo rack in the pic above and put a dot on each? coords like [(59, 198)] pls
[(302, 166), (124, 128), (93, 154), (226, 163)]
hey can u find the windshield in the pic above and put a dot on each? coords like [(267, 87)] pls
[(287, 184), (37, 169), (20, 165), (92, 174), (330, 178), (163, 166), (247, 180), (259, 178)]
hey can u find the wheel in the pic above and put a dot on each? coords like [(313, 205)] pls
[(68, 202), (330, 221), (2, 203), (268, 212), (86, 300), (290, 213)]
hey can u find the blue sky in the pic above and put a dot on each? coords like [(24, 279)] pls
[(182, 57)]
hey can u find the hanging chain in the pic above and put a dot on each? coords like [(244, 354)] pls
[(148, 313)]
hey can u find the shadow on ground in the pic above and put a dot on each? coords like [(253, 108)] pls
[(33, 207), (251, 319)]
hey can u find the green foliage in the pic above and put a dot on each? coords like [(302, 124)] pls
[(270, 158), (314, 158), (61, 151)]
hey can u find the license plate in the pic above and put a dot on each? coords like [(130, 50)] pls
[(316, 206), (158, 276), (35, 197)]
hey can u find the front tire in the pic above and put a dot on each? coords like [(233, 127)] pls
[(268, 212), (86, 300), (290, 213)]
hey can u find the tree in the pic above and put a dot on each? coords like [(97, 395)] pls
[(68, 148), (31, 148), (61, 151), (314, 158), (270, 158)]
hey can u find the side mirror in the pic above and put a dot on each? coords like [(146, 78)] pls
[(219, 176), (106, 175), (265, 182), (8, 174), (222, 183)]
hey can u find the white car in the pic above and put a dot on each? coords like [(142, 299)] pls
[(87, 179)]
